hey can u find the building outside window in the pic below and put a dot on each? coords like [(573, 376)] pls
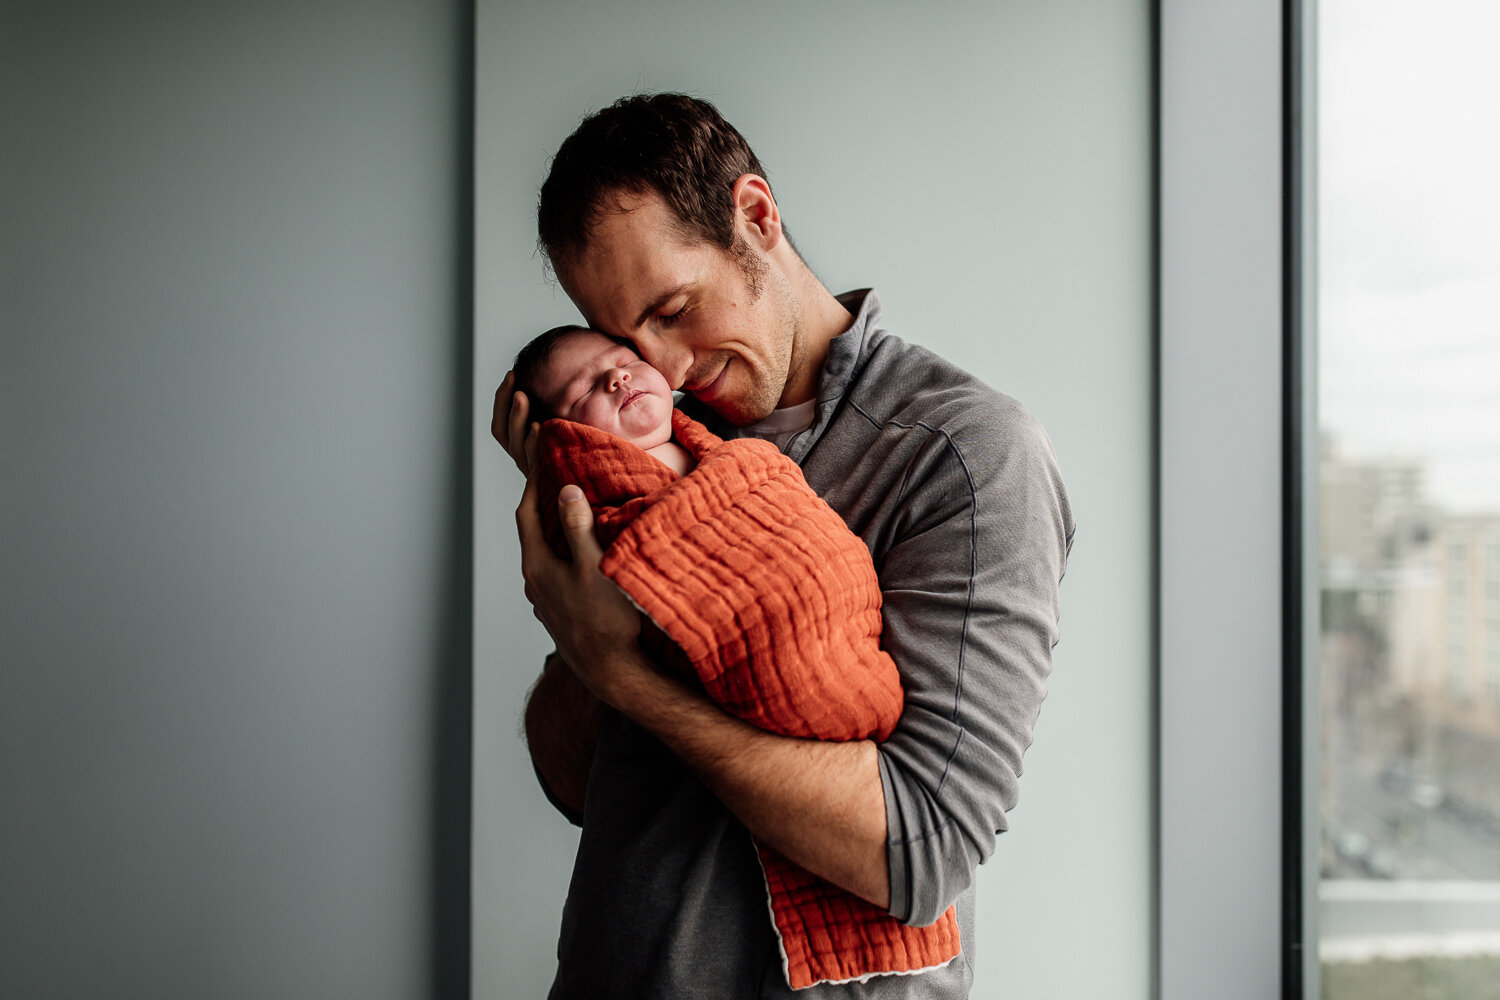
[(1407, 289)]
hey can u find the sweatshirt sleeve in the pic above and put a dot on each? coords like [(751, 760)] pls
[(970, 608)]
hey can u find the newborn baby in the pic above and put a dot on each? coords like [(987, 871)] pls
[(581, 375)]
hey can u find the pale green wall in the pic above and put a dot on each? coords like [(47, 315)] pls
[(234, 552), (987, 168)]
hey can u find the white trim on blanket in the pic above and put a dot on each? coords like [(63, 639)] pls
[(786, 962)]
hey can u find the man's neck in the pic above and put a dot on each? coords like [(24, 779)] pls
[(822, 318)]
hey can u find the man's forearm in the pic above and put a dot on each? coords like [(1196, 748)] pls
[(562, 731), (819, 803)]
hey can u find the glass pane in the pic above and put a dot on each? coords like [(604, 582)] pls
[(1408, 212)]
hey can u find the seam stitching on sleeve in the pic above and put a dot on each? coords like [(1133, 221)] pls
[(963, 639)]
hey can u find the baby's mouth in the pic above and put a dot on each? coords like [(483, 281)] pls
[(630, 397)]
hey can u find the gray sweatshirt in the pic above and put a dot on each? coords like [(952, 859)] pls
[(955, 490)]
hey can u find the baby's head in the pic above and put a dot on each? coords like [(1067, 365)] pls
[(581, 375)]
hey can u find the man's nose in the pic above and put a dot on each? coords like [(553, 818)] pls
[(672, 361)]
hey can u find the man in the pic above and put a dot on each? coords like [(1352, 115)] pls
[(661, 226)]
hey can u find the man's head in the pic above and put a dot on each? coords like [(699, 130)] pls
[(581, 375), (660, 225)]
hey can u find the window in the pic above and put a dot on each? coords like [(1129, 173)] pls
[(1408, 397), (1375, 255)]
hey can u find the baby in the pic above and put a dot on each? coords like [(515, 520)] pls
[(582, 375)]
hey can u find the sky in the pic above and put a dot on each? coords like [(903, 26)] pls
[(1408, 217)]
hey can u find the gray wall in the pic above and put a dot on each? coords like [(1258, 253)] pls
[(988, 168), (234, 570), (1222, 610)]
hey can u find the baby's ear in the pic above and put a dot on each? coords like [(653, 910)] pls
[(536, 411)]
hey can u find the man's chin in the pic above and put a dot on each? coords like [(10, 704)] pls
[(740, 414), (742, 408)]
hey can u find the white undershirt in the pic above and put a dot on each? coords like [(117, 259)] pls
[(782, 424)]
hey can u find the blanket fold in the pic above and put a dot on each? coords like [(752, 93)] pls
[(775, 606)]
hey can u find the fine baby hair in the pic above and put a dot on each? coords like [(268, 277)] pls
[(532, 358)]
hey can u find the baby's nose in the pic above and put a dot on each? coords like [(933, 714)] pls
[(618, 377)]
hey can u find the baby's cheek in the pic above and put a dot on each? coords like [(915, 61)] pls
[(599, 417)]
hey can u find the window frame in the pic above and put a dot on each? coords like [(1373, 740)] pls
[(1236, 863)]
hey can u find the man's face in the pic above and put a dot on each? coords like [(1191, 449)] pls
[(689, 308), (593, 380)]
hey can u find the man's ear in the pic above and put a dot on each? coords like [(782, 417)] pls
[(755, 211)]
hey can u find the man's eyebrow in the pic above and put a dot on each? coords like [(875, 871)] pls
[(658, 302)]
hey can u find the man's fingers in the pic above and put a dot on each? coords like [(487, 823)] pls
[(535, 554), (530, 447), (529, 527), (500, 416), (515, 442), (578, 526), (508, 423)]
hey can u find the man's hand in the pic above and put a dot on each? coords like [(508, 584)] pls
[(508, 424), (593, 623)]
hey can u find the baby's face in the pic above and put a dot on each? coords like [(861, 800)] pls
[(592, 380)]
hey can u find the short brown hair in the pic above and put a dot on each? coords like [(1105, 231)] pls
[(677, 146)]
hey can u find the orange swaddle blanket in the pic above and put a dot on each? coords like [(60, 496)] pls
[(775, 605)]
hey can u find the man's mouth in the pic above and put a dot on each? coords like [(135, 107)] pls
[(708, 391)]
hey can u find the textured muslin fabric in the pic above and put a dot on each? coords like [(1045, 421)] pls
[(775, 606), (955, 492)]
